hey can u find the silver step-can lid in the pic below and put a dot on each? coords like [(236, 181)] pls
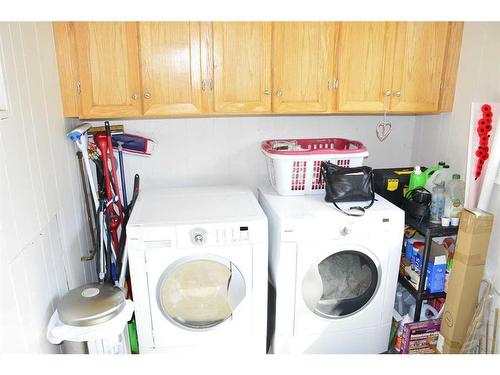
[(91, 304)]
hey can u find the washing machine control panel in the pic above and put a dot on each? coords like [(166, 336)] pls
[(213, 235), (198, 236)]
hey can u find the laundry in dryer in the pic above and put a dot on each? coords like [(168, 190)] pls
[(334, 275)]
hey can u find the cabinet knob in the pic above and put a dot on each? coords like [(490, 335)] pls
[(279, 93), (398, 93), (387, 93), (147, 95), (135, 96), (266, 92)]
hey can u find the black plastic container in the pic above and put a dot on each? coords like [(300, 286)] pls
[(392, 183)]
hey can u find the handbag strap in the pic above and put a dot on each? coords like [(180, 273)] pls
[(361, 210)]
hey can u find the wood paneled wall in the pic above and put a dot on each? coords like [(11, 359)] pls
[(42, 227)]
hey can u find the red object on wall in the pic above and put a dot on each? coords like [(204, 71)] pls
[(484, 126)]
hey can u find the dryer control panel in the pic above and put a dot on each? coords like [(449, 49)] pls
[(212, 235)]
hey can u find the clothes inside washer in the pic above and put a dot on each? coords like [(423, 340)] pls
[(347, 283), (195, 294)]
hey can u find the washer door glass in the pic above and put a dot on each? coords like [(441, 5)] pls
[(200, 293), (340, 284)]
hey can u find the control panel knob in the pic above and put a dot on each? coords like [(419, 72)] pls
[(198, 238), (345, 231)]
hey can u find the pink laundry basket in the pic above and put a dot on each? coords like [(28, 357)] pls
[(294, 164)]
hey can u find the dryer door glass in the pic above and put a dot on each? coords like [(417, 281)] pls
[(200, 293), (340, 284)]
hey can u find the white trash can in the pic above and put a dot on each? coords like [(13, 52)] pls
[(94, 315)]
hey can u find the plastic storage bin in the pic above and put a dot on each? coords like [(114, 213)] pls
[(294, 165)]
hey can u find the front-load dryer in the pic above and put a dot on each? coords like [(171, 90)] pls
[(334, 275), (198, 269)]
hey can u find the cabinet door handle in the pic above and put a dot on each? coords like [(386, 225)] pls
[(203, 85), (398, 93), (279, 93), (388, 93), (336, 84), (147, 95), (266, 92), (135, 96), (210, 85)]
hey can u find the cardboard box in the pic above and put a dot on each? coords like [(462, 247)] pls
[(436, 269), (420, 337), (473, 237), (465, 278)]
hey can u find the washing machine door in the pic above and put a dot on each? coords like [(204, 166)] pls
[(200, 292), (341, 283)]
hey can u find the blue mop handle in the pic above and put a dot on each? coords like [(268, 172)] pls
[(122, 175)]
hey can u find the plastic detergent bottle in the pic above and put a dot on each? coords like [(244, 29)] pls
[(417, 178), (437, 204), (455, 195), (441, 175)]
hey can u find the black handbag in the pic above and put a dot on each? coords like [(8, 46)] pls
[(348, 185)]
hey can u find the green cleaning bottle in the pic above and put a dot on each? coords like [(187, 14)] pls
[(417, 178)]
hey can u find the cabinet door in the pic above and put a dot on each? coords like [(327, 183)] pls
[(242, 67), (171, 66), (67, 63), (418, 64), (303, 66), (109, 69), (450, 66), (365, 62)]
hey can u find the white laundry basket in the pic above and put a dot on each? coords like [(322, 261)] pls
[(294, 165)]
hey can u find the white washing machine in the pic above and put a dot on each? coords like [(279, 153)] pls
[(198, 267), (334, 275)]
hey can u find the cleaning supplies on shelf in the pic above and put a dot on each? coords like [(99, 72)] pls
[(438, 175), (437, 204), (409, 242), (455, 194), (417, 178), (399, 334), (417, 256), (403, 300), (436, 269), (425, 178), (427, 312)]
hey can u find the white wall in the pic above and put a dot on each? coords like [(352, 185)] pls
[(42, 232), (226, 150), (445, 136)]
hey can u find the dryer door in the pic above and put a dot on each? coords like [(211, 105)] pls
[(340, 284), (200, 292)]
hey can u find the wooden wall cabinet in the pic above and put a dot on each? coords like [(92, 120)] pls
[(172, 57), (418, 66), (303, 54), (242, 67), (365, 65), (108, 62), (153, 69)]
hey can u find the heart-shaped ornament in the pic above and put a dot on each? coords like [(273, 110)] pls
[(383, 130)]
